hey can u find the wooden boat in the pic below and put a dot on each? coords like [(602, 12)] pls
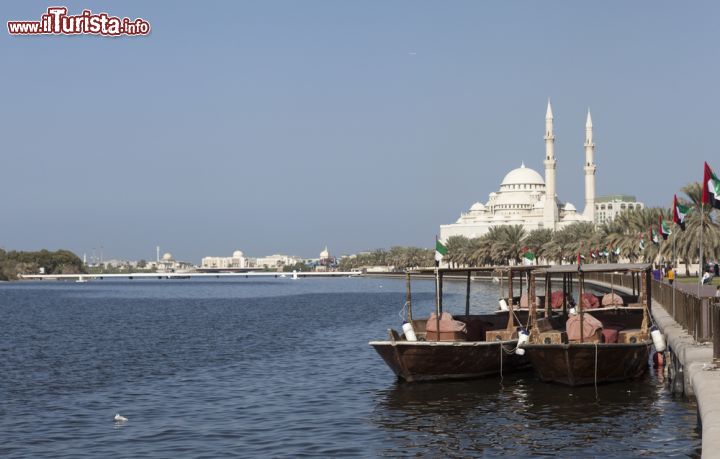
[(591, 345), (486, 347)]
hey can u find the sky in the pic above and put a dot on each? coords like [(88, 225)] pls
[(285, 126)]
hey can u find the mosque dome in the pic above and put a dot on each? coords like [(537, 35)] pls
[(325, 254), (569, 207), (167, 257), (237, 254), (522, 176), (478, 207)]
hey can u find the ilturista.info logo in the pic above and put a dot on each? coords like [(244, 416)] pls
[(57, 22)]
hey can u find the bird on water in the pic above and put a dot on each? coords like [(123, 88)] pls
[(119, 418)]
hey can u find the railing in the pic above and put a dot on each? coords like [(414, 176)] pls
[(700, 317)]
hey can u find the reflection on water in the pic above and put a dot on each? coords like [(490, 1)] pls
[(523, 417)]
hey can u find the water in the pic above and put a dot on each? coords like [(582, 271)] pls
[(282, 368)]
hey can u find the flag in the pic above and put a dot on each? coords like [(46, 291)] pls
[(655, 238), (593, 254), (616, 251), (642, 242), (711, 188), (664, 229), (679, 213), (440, 251)]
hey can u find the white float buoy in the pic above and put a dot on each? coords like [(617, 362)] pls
[(503, 304), (658, 339), (119, 418), (523, 337), (409, 331)]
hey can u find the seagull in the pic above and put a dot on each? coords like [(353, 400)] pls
[(119, 418)]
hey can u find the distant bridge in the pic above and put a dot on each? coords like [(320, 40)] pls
[(185, 275)]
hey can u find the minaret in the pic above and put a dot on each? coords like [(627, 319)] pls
[(550, 212), (590, 168)]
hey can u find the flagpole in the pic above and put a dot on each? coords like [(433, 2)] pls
[(673, 265), (701, 267)]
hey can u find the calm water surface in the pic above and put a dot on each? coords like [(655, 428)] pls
[(282, 368)]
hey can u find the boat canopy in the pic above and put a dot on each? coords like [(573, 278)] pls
[(597, 268), (478, 269)]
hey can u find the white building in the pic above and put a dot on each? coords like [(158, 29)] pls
[(277, 260), (169, 264), (236, 261), (607, 207), (526, 199)]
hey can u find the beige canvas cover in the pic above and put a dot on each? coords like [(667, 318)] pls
[(447, 324), (524, 303), (590, 326), (612, 299)]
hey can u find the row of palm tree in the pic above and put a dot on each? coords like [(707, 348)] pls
[(613, 241), (398, 257)]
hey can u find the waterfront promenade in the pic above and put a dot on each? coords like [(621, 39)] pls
[(691, 325)]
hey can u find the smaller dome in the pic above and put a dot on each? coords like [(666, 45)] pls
[(478, 206), (237, 254), (167, 257), (569, 207), (325, 253)]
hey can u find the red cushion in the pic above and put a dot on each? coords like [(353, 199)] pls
[(610, 335)]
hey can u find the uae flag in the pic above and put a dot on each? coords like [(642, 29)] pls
[(642, 242), (440, 251), (616, 251), (679, 213), (711, 188), (655, 238), (664, 229)]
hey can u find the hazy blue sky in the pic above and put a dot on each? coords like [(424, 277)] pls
[(284, 126)]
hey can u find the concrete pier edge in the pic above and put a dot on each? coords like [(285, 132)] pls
[(697, 374)]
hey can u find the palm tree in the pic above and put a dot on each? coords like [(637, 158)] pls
[(536, 242), (457, 250), (479, 250), (509, 245), (700, 222)]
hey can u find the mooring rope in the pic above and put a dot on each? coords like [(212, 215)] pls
[(502, 349), (596, 360)]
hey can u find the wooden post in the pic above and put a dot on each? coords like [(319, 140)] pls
[(645, 290), (580, 307), (548, 295), (715, 311), (438, 294), (441, 294), (532, 309), (564, 304), (467, 295), (531, 300), (511, 318), (408, 296)]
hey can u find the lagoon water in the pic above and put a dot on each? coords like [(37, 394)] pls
[(282, 368)]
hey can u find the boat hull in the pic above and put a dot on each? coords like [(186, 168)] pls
[(446, 360), (578, 364)]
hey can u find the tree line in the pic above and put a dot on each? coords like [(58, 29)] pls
[(398, 257), (13, 263)]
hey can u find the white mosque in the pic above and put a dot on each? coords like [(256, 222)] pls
[(526, 199)]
